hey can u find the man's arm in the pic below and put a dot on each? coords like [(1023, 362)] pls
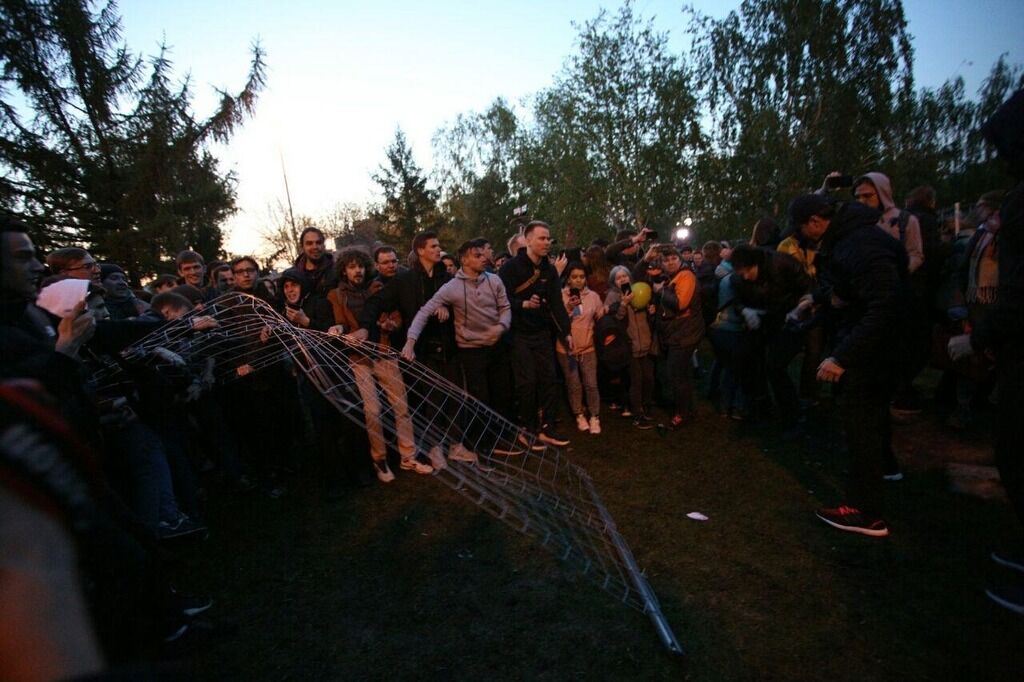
[(442, 296)]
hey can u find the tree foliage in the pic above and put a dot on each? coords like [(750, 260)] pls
[(409, 205), (100, 147)]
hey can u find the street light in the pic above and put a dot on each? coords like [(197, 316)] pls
[(682, 234)]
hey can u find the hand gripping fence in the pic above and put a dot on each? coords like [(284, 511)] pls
[(530, 486)]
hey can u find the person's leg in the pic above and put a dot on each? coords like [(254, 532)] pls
[(681, 371), (636, 385), (547, 379), (362, 371), (814, 349), (780, 349), (647, 377), (389, 375), (571, 371), (588, 374), (525, 376), (864, 412)]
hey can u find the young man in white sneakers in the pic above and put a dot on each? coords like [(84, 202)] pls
[(481, 314)]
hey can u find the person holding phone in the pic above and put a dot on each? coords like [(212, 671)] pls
[(619, 303), (580, 365)]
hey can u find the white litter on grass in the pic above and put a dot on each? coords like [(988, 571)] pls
[(696, 516)]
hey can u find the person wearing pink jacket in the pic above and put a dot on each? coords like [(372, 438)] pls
[(580, 366)]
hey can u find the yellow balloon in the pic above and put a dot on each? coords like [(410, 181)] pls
[(641, 295)]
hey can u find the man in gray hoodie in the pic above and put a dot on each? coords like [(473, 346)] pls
[(482, 315)]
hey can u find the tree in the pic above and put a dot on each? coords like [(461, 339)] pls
[(99, 147), (409, 205)]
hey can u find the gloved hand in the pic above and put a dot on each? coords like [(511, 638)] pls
[(960, 347), (752, 318)]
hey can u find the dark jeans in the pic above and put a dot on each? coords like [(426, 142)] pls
[(863, 400), (439, 413), (641, 384), (145, 473), (733, 353), (781, 347), (680, 369), (533, 357), (486, 371)]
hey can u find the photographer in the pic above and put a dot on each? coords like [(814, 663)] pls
[(535, 295), (626, 248)]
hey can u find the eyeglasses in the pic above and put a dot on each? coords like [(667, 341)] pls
[(244, 271)]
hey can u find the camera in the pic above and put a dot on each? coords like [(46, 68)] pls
[(839, 181)]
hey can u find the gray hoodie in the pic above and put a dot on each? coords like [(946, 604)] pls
[(479, 304), (890, 219)]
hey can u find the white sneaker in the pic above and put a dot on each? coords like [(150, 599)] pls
[(581, 423), (595, 425), (436, 457), (460, 453), (384, 474), (416, 465), (626, 412)]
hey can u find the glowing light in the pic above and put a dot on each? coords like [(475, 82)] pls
[(682, 233), (688, 222)]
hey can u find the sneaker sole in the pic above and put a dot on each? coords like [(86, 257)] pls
[(856, 529), (1007, 563), (1005, 603), (553, 441), (893, 477)]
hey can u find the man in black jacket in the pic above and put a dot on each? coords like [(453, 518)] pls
[(537, 315), (1001, 335), (863, 275), (406, 293)]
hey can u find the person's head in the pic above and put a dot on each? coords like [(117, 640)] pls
[(449, 263), (193, 294), (115, 281), (294, 286), (725, 252), (245, 270), (515, 242), (575, 276), (171, 305), (500, 259), (619, 275), (472, 258), (427, 248), (809, 216), (386, 260), (486, 248), (312, 243), (595, 259), (746, 262), (74, 262), (711, 253), (191, 268), (987, 205), (866, 193), (686, 253), (538, 239), (671, 261), (920, 198), (765, 232), (163, 283), (95, 302), (353, 264), (223, 278)]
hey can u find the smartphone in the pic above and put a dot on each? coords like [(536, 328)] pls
[(574, 292), (650, 234), (839, 181), (626, 288)]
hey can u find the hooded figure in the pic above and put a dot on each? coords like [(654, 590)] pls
[(300, 307), (899, 224)]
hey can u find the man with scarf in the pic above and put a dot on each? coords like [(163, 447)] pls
[(315, 263)]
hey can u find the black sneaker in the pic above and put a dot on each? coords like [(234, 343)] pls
[(189, 604), (551, 437), (643, 423), (1008, 596), (852, 520), (1012, 560)]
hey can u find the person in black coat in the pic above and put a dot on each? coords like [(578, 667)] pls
[(1000, 335), (863, 279)]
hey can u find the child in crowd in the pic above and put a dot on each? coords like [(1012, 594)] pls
[(584, 308)]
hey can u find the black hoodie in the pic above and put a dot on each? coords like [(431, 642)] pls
[(866, 270), (317, 309)]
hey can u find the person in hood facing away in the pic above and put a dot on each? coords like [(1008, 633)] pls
[(863, 278), (482, 315), (1001, 335), (315, 262), (301, 307)]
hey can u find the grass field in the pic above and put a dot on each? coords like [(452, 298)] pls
[(411, 581)]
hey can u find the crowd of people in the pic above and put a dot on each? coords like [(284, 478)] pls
[(855, 291)]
